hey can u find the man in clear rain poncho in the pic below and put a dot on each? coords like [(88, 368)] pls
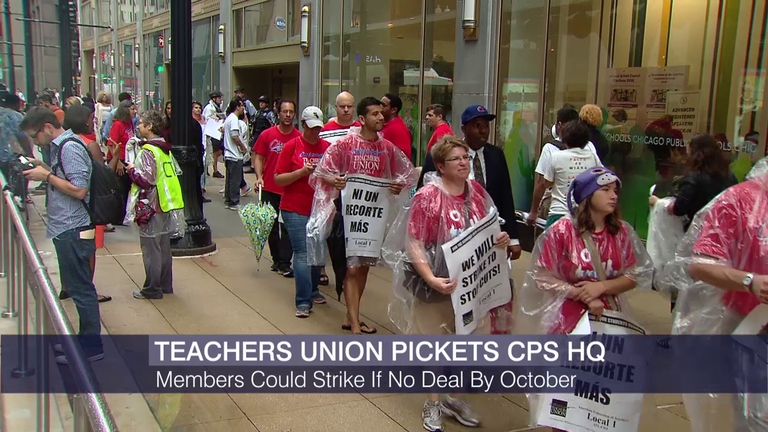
[(721, 272), (378, 171)]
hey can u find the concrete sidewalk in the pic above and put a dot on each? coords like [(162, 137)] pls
[(226, 294)]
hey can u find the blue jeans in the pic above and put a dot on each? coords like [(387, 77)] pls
[(306, 278), (74, 256)]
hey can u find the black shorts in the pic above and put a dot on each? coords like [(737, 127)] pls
[(216, 144)]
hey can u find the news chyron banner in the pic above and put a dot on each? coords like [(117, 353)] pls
[(365, 207), (481, 270), (595, 379), (593, 406)]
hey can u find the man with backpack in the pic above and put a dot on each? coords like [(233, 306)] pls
[(69, 219)]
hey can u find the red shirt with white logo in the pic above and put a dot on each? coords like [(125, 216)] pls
[(269, 145), (565, 254), (333, 125), (735, 230), (443, 129), (297, 196), (397, 132), (437, 217)]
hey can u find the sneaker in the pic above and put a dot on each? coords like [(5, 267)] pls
[(459, 409), (287, 273), (141, 296), (62, 359), (235, 207), (246, 191), (432, 416), (302, 311), (63, 295), (319, 299), (274, 268), (221, 191), (206, 200)]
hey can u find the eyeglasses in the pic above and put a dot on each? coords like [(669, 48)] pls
[(465, 158), (38, 132)]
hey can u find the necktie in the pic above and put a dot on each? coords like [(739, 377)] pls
[(477, 168)]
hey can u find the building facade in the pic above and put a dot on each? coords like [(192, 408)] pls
[(661, 70), (45, 50)]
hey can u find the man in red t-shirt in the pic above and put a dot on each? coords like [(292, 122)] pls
[(735, 233), (395, 129), (436, 118), (338, 127), (265, 153), (297, 162)]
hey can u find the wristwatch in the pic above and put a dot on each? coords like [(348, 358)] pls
[(747, 282)]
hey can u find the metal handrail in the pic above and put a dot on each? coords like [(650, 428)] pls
[(19, 262)]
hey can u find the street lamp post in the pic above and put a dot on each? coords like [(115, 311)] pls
[(197, 237)]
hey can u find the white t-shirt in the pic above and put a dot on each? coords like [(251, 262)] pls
[(564, 167), (545, 160), (232, 128)]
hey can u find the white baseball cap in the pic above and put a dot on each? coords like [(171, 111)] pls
[(312, 116)]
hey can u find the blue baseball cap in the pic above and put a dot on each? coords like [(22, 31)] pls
[(475, 111)]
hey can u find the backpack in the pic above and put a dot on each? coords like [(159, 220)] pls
[(260, 123), (107, 201), (559, 144)]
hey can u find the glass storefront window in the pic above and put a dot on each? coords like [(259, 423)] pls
[(127, 73), (152, 7), (155, 75), (521, 66), (331, 61), (270, 22), (105, 12), (201, 59), (86, 17), (106, 68), (126, 11), (661, 73), (383, 43), (439, 60)]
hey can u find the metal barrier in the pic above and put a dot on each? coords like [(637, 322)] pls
[(26, 273)]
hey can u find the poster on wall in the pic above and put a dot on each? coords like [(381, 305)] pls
[(625, 93), (659, 82), (684, 109)]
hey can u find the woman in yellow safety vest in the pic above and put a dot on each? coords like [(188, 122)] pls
[(155, 205)]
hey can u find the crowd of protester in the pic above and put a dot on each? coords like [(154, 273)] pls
[(584, 260)]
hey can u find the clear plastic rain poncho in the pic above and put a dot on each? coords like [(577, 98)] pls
[(146, 199), (432, 218), (729, 231), (353, 154), (664, 234), (559, 260)]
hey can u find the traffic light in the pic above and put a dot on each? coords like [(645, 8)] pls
[(160, 68), (161, 41)]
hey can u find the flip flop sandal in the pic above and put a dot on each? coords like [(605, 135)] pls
[(324, 280), (104, 298), (362, 324)]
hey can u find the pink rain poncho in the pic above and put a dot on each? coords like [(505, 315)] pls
[(350, 155), (560, 259), (730, 231), (431, 219)]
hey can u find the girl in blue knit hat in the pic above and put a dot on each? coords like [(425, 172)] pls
[(579, 269)]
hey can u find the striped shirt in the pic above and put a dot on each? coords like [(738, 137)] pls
[(66, 212)]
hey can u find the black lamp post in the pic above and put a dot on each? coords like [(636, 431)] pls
[(187, 147)]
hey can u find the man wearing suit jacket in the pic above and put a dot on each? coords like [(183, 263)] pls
[(489, 168)]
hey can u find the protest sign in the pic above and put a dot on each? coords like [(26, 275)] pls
[(481, 270), (592, 407), (212, 128), (365, 208)]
